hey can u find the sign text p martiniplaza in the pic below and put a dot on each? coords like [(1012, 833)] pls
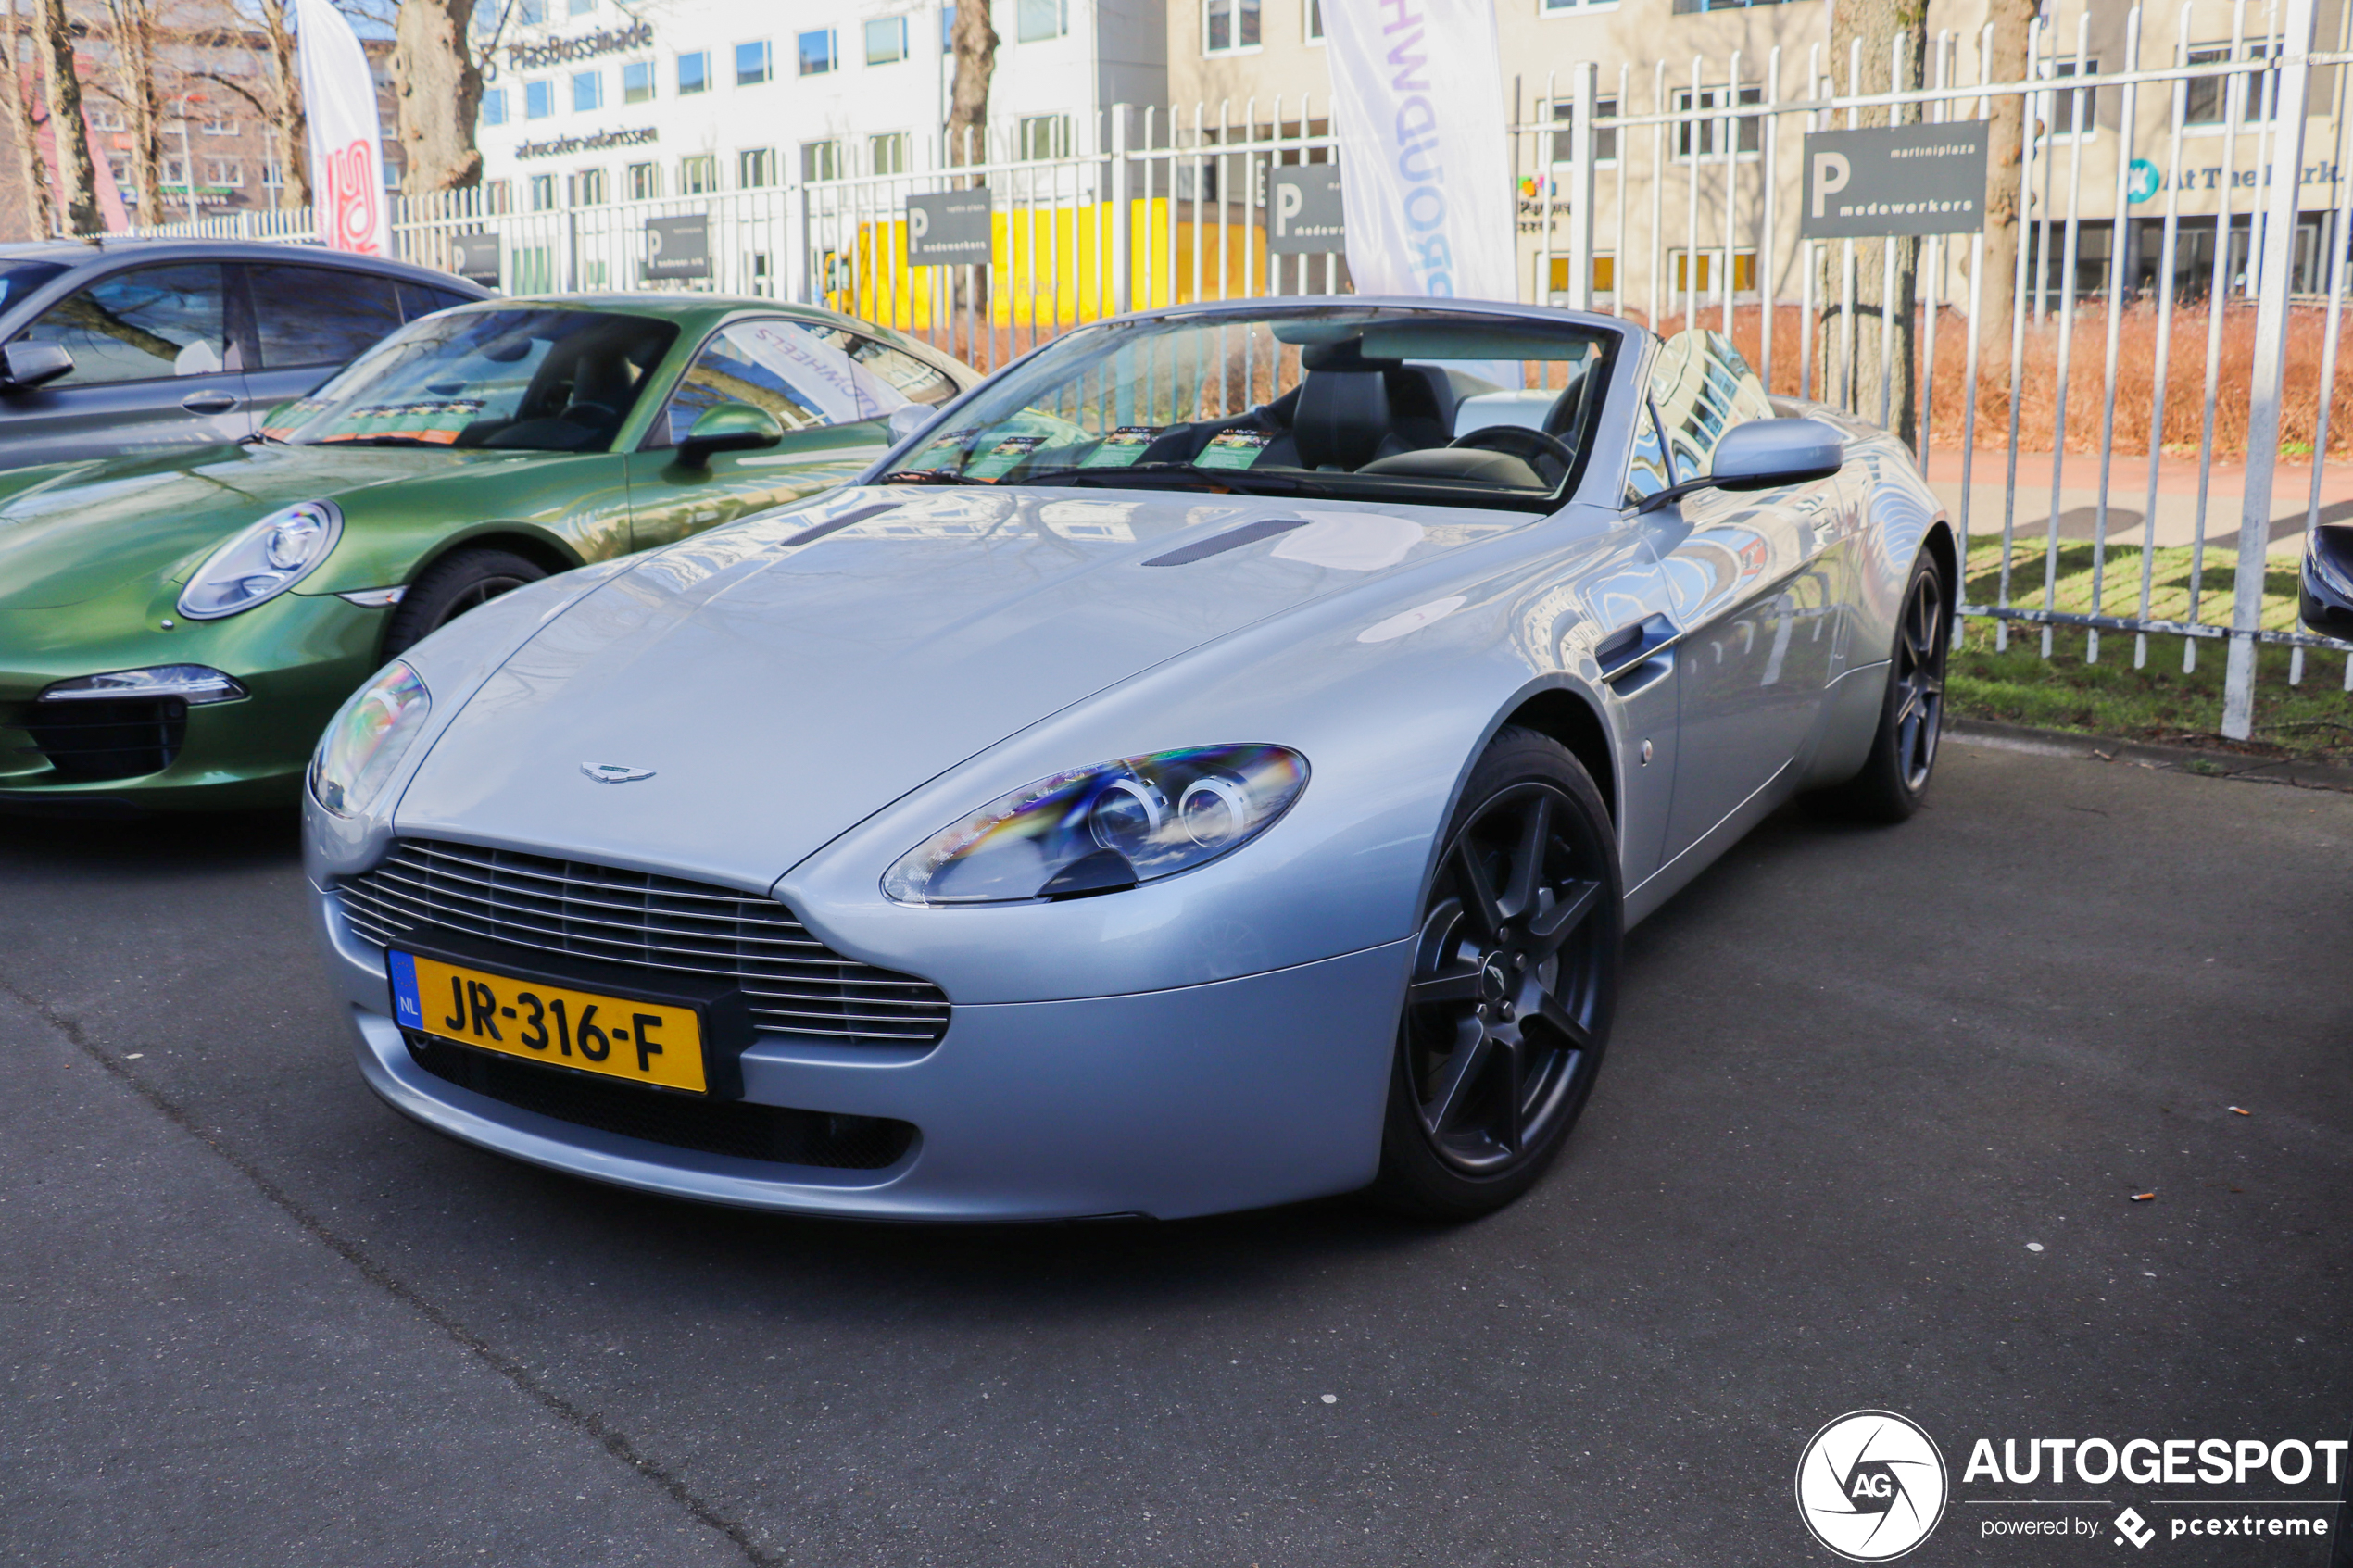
[(1871, 1486), (1895, 179)]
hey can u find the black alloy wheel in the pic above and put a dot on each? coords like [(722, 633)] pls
[(1903, 757), (452, 585), (1514, 975)]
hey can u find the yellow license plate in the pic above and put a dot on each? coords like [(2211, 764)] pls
[(643, 1042)]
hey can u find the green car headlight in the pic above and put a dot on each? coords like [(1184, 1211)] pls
[(1104, 828), (366, 741), (263, 561)]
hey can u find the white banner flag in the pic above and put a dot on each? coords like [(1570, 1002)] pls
[(346, 139), (1418, 88)]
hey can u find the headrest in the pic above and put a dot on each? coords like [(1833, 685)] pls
[(1342, 419)]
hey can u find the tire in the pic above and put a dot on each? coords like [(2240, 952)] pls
[(1895, 777), (452, 585), (1506, 1013)]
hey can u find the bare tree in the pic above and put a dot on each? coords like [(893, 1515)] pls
[(133, 75), (2005, 159), (273, 91), (17, 106), (53, 34), (437, 93), (1894, 38)]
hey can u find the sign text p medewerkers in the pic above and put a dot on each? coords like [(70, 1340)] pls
[(1895, 179)]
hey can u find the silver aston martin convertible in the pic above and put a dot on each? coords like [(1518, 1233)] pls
[(1211, 764)]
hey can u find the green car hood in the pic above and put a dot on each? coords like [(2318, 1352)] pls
[(70, 532)]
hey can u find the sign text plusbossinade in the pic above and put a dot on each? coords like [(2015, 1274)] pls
[(1895, 179), (556, 51)]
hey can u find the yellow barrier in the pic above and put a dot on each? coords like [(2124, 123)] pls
[(1048, 264)]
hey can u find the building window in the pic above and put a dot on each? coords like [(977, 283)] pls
[(816, 52), (886, 41), (1037, 20), (497, 196), (221, 127), (582, 8), (1604, 139), (752, 63), (1045, 136), (820, 160), (175, 173), (1228, 25), (1312, 25), (1604, 277), (644, 181), (494, 106), (273, 177), (589, 188), (638, 81), (2207, 99), (223, 171), (947, 30), (107, 116), (694, 73), (538, 99), (543, 192), (118, 166), (698, 175), (886, 153), (1743, 270), (755, 167), (531, 13), (589, 91), (1709, 134), (2073, 111)]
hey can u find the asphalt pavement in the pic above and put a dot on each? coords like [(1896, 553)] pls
[(1876, 1112)]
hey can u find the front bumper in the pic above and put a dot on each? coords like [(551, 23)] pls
[(1236, 1095), (299, 656)]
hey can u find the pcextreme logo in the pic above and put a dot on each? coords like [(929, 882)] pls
[(1871, 1486)]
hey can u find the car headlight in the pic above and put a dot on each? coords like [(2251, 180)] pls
[(1101, 828), (263, 561), (366, 741)]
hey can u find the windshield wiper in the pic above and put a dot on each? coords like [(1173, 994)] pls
[(929, 476), (1231, 479), (263, 438), (380, 441)]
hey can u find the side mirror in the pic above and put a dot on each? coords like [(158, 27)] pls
[(908, 418), (24, 366), (1763, 453), (728, 427)]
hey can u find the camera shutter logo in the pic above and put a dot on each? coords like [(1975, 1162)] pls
[(1871, 1486)]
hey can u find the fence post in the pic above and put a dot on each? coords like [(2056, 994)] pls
[(1120, 218), (1584, 80), (2270, 363)]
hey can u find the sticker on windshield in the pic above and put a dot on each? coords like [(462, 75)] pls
[(1121, 447), (1233, 449), (1001, 458)]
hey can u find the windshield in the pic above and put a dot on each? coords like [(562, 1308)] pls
[(18, 279), (1358, 402), (540, 381)]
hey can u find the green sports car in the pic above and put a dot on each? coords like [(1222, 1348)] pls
[(176, 630)]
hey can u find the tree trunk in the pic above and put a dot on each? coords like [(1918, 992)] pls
[(974, 43), (289, 126), (16, 104), (1891, 33), (436, 92), (2005, 165), (52, 42)]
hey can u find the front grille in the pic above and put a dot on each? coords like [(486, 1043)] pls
[(109, 737), (736, 1127), (792, 982)]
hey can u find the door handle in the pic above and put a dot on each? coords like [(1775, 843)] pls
[(209, 402), (1628, 648)]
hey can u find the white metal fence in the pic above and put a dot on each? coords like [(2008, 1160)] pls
[(1671, 197)]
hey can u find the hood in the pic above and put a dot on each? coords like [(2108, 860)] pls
[(72, 531), (779, 692)]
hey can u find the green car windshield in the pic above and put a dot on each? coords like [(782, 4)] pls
[(539, 380), (1347, 402)]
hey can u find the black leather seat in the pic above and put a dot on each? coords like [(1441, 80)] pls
[(1341, 420)]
